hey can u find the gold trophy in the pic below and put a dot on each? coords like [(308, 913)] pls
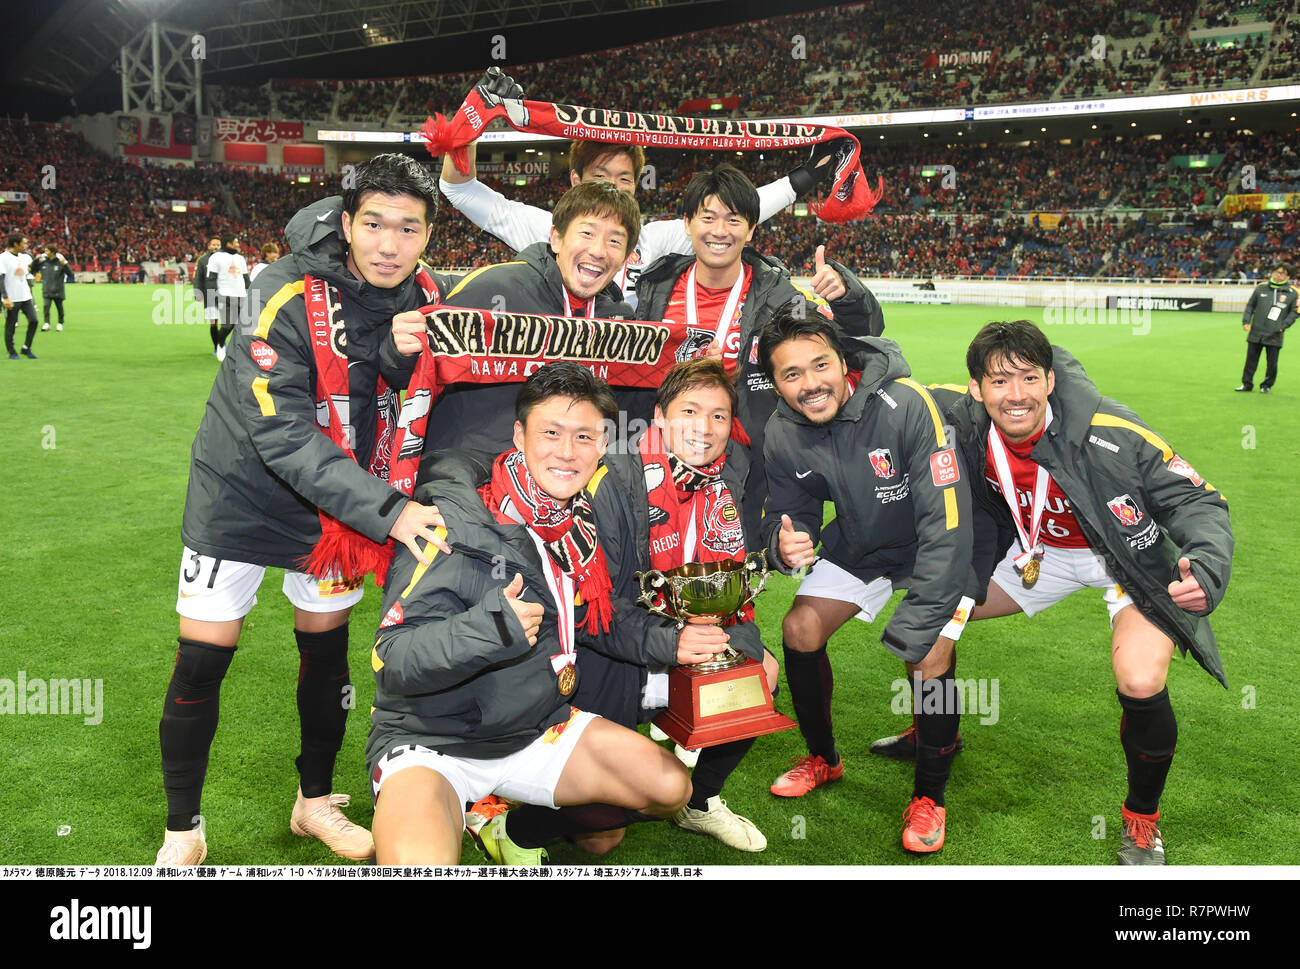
[(726, 698)]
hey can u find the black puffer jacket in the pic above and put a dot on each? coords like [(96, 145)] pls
[(453, 668), (902, 501), (261, 465), (1099, 451)]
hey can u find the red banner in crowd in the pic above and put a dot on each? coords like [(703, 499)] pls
[(257, 130), (850, 196)]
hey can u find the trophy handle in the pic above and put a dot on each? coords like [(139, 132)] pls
[(650, 581), (757, 562)]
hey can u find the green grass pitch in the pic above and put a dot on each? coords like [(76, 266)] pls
[(98, 432)]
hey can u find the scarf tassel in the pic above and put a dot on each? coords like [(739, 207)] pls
[(344, 552)]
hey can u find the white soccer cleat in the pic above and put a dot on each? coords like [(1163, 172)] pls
[(720, 822), (182, 849), (221, 354)]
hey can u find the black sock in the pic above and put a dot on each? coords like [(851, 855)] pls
[(224, 334), (189, 722), (713, 768), (324, 692), (530, 826), (1149, 734), (936, 734), (811, 685), (214, 331)]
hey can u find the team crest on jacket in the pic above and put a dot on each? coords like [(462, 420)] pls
[(882, 462), (1126, 510), (1180, 467)]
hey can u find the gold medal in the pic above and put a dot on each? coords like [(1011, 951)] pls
[(1029, 575), (569, 679)]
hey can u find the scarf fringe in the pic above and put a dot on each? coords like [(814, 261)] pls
[(347, 553)]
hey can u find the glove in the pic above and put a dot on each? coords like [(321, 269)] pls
[(821, 164), (497, 83)]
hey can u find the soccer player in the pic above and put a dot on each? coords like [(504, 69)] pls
[(475, 661), (16, 292), (1083, 494), (208, 297), (594, 227), (725, 291), (51, 269), (267, 481), (1269, 312), (518, 225), (228, 275), (671, 497), (853, 429), (269, 254)]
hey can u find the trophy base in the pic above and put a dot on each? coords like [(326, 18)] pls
[(707, 708)]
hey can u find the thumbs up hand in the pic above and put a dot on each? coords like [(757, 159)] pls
[(795, 548), (826, 282), (529, 614), (1186, 591)]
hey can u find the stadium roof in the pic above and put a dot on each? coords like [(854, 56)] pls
[(69, 48)]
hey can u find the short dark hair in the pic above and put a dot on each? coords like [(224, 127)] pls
[(583, 153), (15, 238), (795, 319), (600, 199), (689, 374), (392, 174), (565, 379), (50, 247), (1285, 267), (731, 187), (229, 237), (1010, 340)]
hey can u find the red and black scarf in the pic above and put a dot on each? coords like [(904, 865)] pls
[(567, 530), (342, 550), (850, 196), (686, 500)]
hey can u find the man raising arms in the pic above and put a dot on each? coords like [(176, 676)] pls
[(518, 225)]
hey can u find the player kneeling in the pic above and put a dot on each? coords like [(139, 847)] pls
[(475, 660)]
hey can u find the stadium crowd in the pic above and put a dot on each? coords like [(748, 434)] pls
[(861, 57)]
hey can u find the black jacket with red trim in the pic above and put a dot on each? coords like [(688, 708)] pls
[(261, 464), (1101, 454), (902, 501)]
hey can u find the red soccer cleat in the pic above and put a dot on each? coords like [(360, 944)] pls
[(807, 773), (923, 826)]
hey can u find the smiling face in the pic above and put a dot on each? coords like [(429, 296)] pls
[(696, 424), (386, 238), (563, 440), (615, 167), (810, 377), (718, 235), (591, 251), (1015, 395)]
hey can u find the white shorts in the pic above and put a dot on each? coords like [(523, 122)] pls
[(529, 775), (218, 590), (1063, 571), (826, 580)]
